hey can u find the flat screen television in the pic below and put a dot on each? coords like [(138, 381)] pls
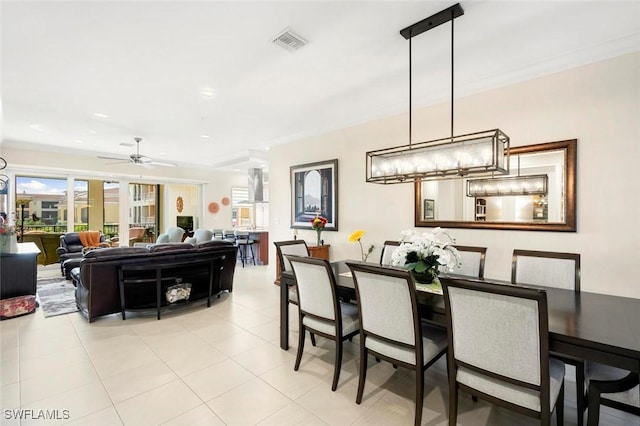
[(185, 222)]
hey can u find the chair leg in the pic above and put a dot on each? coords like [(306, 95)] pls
[(300, 346), (336, 367), (253, 258), (593, 410), (453, 402), (363, 373), (313, 339), (560, 407), (580, 398), (419, 394)]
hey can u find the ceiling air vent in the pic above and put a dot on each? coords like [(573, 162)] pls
[(289, 40)]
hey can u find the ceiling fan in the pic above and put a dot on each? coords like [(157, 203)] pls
[(138, 159)]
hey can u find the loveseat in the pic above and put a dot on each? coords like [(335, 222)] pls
[(97, 282)]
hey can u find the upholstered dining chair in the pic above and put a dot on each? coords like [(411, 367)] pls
[(612, 387), (319, 309), (387, 251), (296, 248), (557, 270), (499, 349), (390, 327), (471, 261)]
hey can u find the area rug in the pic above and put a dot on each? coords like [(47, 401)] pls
[(56, 297)]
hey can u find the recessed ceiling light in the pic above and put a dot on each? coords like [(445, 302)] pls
[(77, 141), (93, 132), (267, 148), (204, 136), (208, 93), (100, 115), (162, 153), (37, 127)]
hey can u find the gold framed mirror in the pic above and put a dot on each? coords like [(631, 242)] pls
[(539, 194)]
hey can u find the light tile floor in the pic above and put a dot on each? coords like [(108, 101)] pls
[(214, 366)]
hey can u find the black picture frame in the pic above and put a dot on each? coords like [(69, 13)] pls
[(314, 191), (429, 209)]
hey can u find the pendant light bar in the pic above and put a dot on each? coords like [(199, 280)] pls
[(483, 153), (511, 185), (475, 153)]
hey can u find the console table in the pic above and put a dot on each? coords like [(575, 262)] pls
[(19, 271), (159, 276)]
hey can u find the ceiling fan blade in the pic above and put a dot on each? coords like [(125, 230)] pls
[(115, 158), (160, 163), (118, 162)]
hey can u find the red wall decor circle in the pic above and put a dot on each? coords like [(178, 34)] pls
[(214, 208), (225, 201)]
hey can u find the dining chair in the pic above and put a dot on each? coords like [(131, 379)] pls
[(296, 248), (319, 309), (557, 270), (612, 387), (499, 349), (387, 251), (471, 261), (390, 326)]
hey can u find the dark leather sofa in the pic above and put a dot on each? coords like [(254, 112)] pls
[(96, 279)]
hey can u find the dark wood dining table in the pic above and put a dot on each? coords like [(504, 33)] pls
[(590, 326)]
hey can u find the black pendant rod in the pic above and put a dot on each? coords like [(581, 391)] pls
[(410, 123), (452, 19)]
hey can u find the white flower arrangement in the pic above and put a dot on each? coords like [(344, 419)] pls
[(426, 252)]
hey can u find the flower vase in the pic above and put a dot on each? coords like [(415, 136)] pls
[(318, 240), (8, 244), (426, 277)]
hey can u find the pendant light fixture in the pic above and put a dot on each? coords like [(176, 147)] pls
[(481, 153), (509, 185)]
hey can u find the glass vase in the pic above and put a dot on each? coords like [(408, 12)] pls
[(318, 240)]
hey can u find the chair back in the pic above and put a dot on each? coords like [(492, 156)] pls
[(175, 234), (217, 234), (387, 304), (202, 235), (547, 269), (291, 247), (241, 236), (229, 235), (499, 332), (387, 250), (316, 287), (471, 261)]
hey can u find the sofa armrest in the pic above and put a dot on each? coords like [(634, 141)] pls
[(62, 250)]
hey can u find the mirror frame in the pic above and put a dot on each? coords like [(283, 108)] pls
[(569, 225)]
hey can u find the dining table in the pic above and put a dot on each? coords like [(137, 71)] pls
[(590, 326)]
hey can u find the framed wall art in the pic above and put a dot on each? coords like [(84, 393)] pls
[(314, 192)]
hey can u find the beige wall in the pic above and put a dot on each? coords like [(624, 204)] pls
[(599, 104)]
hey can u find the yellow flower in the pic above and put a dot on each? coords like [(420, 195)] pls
[(356, 236)]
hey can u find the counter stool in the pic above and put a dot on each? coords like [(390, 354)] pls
[(244, 243)]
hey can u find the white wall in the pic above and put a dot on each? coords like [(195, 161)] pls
[(599, 104)]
